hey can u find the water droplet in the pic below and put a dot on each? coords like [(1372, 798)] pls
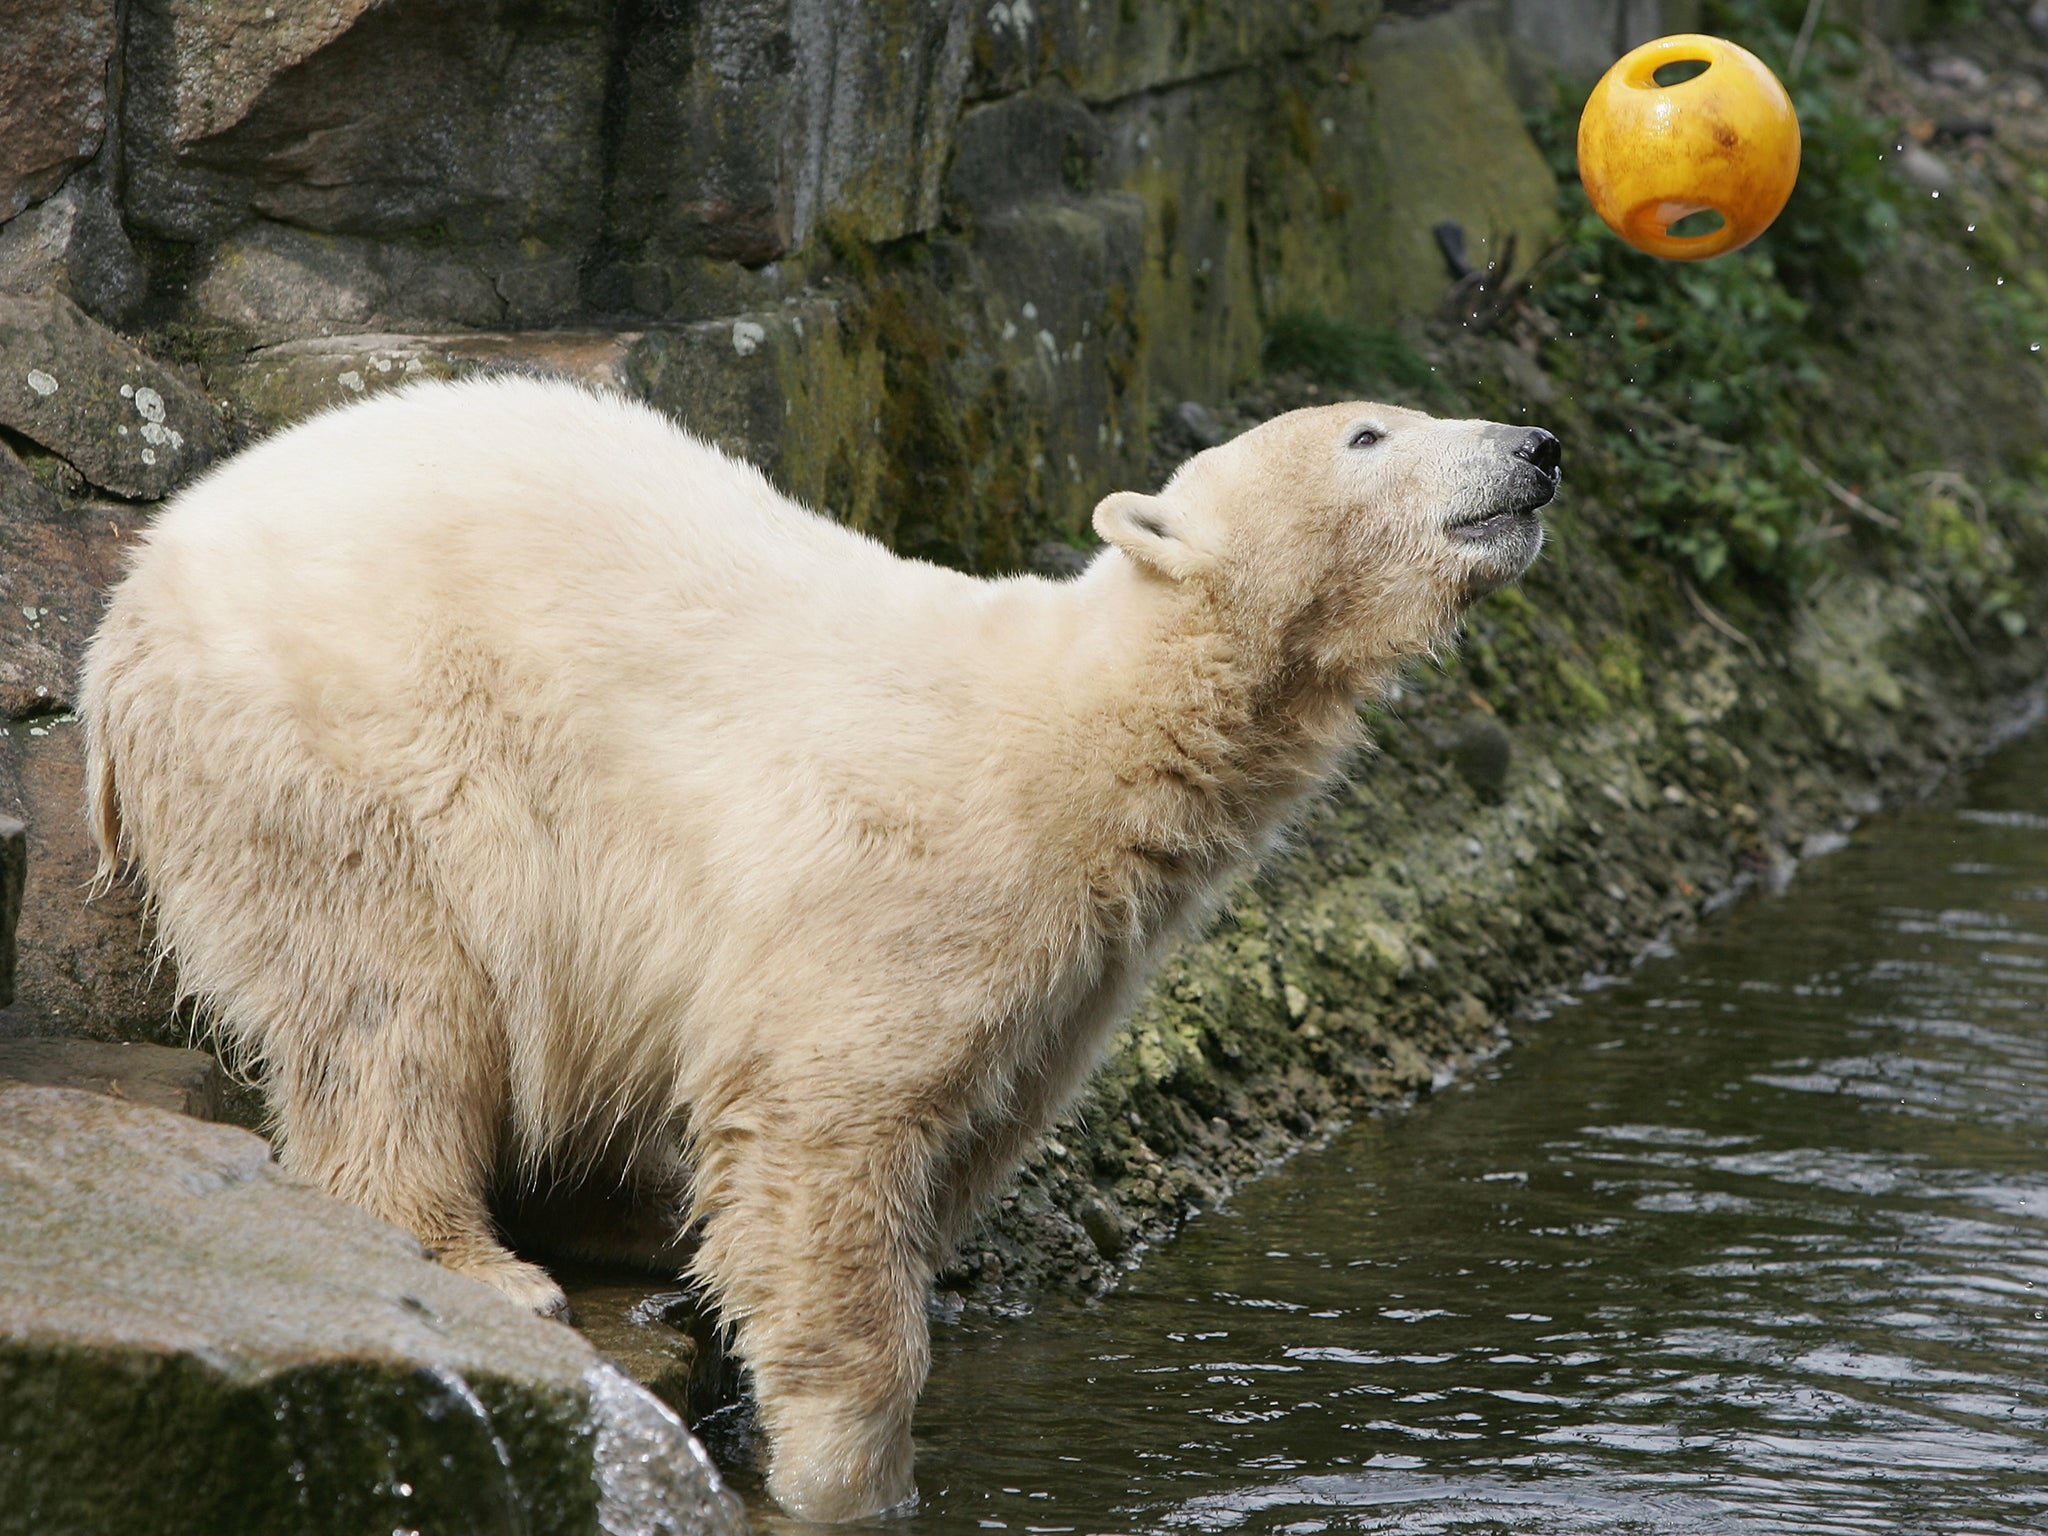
[(2035, 347)]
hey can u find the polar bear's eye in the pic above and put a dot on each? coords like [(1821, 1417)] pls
[(1365, 437)]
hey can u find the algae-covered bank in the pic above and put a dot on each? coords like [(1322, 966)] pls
[(951, 273), (1794, 572)]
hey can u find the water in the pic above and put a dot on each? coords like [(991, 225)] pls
[(1756, 1241)]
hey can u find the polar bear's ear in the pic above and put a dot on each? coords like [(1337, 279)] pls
[(1152, 531)]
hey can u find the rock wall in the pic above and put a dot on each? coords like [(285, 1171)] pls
[(930, 264)]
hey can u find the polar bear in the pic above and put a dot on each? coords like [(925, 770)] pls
[(517, 779)]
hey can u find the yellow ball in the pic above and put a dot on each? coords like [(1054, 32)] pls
[(1726, 140)]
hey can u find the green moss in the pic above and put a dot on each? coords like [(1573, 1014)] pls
[(1300, 128), (200, 346), (1348, 355), (1581, 695), (1620, 667), (105, 1441), (930, 447)]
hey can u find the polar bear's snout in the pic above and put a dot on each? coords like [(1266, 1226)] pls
[(1541, 452), (1501, 527)]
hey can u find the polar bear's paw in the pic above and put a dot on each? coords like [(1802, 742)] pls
[(827, 1473), (527, 1284)]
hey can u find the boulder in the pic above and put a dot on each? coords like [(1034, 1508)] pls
[(125, 421), (183, 1082), (193, 1341), (53, 94)]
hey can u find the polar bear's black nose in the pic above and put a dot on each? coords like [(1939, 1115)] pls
[(1542, 450)]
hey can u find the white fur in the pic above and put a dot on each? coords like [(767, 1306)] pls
[(516, 778)]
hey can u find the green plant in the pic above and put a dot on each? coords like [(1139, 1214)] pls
[(1694, 377)]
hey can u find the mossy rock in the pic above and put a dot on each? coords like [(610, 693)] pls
[(193, 1341)]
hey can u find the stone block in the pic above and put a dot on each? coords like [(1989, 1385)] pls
[(23, 495), (193, 1341), (479, 122), (126, 422), (1580, 38), (275, 386), (53, 94), (275, 282), (83, 964), (55, 567), (1038, 143), (787, 389), (880, 91), (747, 125), (1198, 285), (1340, 161), (73, 241), (183, 1082)]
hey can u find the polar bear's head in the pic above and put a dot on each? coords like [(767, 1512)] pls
[(1345, 535)]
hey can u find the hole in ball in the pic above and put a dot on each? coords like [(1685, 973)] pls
[(1700, 222), (1678, 71)]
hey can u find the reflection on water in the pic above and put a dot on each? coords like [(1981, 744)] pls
[(1757, 1241)]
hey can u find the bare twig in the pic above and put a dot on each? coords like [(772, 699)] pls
[(1926, 588), (1715, 621), (1481, 297), (1847, 497), (1827, 528), (1805, 38)]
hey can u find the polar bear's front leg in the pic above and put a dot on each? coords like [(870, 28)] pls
[(818, 1248)]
